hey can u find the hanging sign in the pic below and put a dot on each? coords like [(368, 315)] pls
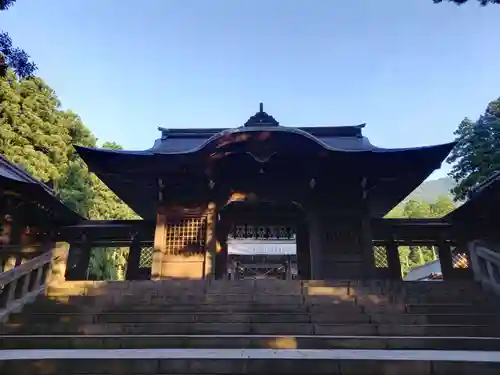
[(242, 247)]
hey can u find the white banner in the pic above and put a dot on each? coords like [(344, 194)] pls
[(242, 247)]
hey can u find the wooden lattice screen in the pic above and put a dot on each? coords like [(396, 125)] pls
[(459, 258), (146, 258), (186, 235), (380, 257)]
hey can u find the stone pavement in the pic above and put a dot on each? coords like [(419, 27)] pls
[(228, 354)]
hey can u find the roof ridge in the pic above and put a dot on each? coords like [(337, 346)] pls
[(322, 129)]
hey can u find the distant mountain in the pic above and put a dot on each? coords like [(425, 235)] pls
[(429, 191)]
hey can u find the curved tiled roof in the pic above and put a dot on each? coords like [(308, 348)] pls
[(400, 170), (190, 144), (333, 138)]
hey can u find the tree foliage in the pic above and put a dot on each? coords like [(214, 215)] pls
[(413, 209), (11, 56), (36, 134), (6, 4), (477, 153), (414, 256), (460, 2)]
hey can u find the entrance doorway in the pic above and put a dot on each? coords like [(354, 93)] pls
[(261, 267), (263, 252), (262, 240)]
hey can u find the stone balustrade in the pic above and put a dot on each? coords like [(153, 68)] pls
[(25, 279), (485, 260)]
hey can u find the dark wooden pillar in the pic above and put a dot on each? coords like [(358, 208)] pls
[(211, 241), (78, 260), (315, 268), (159, 244), (304, 251), (223, 228), (393, 260), (366, 235), (133, 260), (366, 243), (445, 259)]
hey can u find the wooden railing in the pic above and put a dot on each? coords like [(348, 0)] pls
[(485, 264), (21, 283)]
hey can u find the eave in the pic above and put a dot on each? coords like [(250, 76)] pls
[(15, 179), (133, 175)]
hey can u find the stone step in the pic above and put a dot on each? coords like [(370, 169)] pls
[(139, 300), (215, 317), (253, 328), (372, 302), (440, 290), (452, 319), (448, 308), (200, 317), (248, 361), (289, 290), (266, 300), (477, 298), (245, 341), (321, 295), (50, 306)]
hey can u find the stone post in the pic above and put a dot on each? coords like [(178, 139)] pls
[(57, 270)]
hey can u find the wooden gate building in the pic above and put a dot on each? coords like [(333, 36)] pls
[(329, 184)]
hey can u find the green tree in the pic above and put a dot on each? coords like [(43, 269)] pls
[(420, 255), (442, 207), (75, 186), (111, 146), (38, 136), (108, 263), (396, 212), (460, 2), (6, 4), (477, 154), (417, 210), (30, 135), (414, 256), (11, 56)]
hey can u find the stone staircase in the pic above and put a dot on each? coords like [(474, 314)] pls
[(288, 327)]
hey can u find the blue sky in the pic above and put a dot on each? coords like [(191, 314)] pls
[(408, 68)]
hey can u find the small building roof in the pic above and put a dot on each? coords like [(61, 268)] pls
[(424, 271), (482, 205), (16, 179)]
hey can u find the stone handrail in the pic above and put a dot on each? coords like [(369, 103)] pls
[(21, 284), (486, 265)]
